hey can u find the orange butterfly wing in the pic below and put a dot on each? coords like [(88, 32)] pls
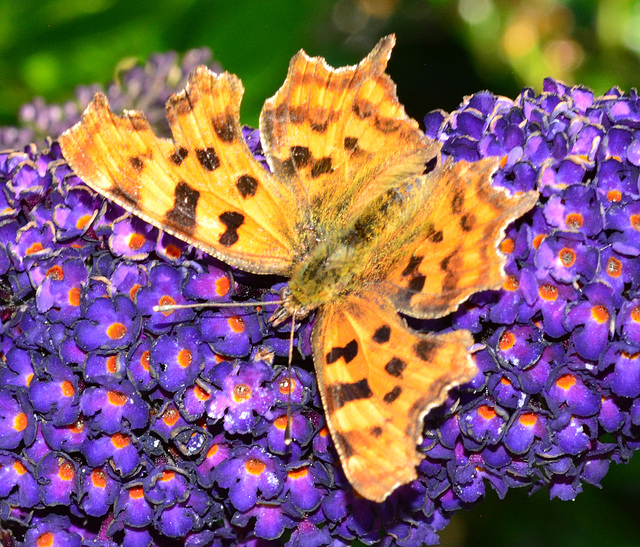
[(204, 187), (377, 380), (463, 225), (339, 136)]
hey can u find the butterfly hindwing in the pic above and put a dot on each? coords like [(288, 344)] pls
[(340, 136), (205, 187), (457, 253), (378, 379)]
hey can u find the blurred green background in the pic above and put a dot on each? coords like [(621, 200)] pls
[(446, 49)]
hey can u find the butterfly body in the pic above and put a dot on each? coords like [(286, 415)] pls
[(346, 212), (356, 255)]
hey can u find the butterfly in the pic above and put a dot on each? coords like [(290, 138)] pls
[(347, 211)]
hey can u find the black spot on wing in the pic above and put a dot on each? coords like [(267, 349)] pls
[(413, 265), (437, 236), (136, 163), (347, 352), (300, 156), (350, 143), (387, 125), (344, 443), (392, 395), (232, 220), (342, 393), (208, 158), (395, 367), (382, 334), (445, 262), (138, 121), (247, 185), (224, 127), (416, 284), (375, 431), (363, 109), (321, 167), (424, 349), (179, 156), (457, 202), (183, 213), (467, 222), (320, 127)]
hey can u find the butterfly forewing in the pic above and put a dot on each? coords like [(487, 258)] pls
[(457, 254), (377, 379), (205, 187), (340, 136)]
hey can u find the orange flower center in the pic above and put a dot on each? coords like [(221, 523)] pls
[(487, 412), (120, 440), (600, 314), (298, 473), (111, 364), (548, 292), (184, 358), (166, 301), (538, 240), (45, 540), (284, 385), (241, 393), (134, 291), (144, 360), (566, 382), (222, 286), (74, 296), (136, 241), (67, 389), (82, 221), (136, 492), (236, 323), (116, 398), (201, 393), (66, 472), (20, 422), (35, 248), (55, 273), (254, 467), (511, 283), (614, 196), (567, 257), (528, 419), (173, 251), (98, 478), (507, 341), (574, 221), (507, 245), (170, 417), (614, 267), (116, 331)]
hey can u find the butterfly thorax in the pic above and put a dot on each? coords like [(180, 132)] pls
[(341, 262)]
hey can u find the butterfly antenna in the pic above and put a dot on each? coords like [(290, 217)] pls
[(171, 307), (287, 431)]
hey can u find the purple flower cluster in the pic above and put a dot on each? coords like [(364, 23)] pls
[(124, 426), (146, 88)]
